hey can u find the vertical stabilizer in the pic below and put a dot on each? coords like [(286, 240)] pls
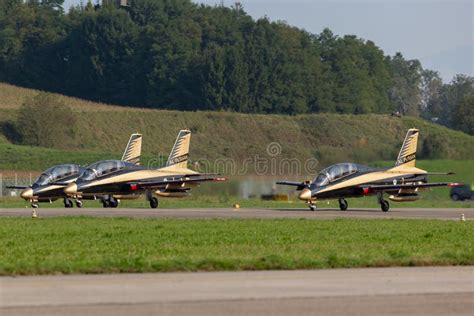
[(133, 151), (179, 154), (407, 155)]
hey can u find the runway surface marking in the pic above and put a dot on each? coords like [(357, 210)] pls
[(420, 213), (426, 290)]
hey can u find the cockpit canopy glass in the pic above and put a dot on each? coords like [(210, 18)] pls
[(334, 172), (57, 173), (101, 168)]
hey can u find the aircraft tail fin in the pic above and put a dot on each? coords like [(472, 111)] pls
[(180, 152), (407, 155), (133, 151)]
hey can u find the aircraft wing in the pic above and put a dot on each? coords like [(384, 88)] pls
[(299, 185), (17, 187), (387, 187), (178, 180)]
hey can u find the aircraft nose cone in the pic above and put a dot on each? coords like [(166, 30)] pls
[(27, 193), (305, 195), (71, 189)]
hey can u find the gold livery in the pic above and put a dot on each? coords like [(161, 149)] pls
[(112, 180), (49, 186), (402, 182)]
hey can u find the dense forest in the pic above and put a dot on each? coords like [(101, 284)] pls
[(175, 54)]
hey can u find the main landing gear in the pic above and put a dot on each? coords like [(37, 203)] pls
[(68, 203), (384, 205), (152, 200), (110, 202), (343, 204)]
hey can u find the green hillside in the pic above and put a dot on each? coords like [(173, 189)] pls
[(102, 132)]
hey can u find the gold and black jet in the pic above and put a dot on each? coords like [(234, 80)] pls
[(49, 186), (113, 180), (402, 182)]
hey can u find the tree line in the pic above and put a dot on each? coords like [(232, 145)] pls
[(175, 54)]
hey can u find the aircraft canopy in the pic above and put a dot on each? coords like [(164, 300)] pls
[(334, 172), (56, 173), (101, 168)]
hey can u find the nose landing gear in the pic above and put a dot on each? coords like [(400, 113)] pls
[(312, 206), (34, 205)]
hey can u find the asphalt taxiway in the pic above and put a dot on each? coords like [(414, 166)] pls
[(376, 291), (420, 213)]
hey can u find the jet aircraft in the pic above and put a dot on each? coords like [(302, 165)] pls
[(114, 180), (49, 186), (402, 182)]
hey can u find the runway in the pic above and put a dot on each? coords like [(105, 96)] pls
[(196, 213), (421, 291)]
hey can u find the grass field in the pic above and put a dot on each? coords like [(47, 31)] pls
[(103, 130), (107, 245)]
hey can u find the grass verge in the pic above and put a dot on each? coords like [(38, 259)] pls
[(109, 245), (329, 138)]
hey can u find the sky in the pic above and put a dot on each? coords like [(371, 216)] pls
[(440, 33)]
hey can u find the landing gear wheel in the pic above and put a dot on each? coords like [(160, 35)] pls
[(113, 202), (343, 204), (67, 203), (105, 203), (79, 204), (312, 206), (33, 212), (153, 202), (385, 205), (34, 205)]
